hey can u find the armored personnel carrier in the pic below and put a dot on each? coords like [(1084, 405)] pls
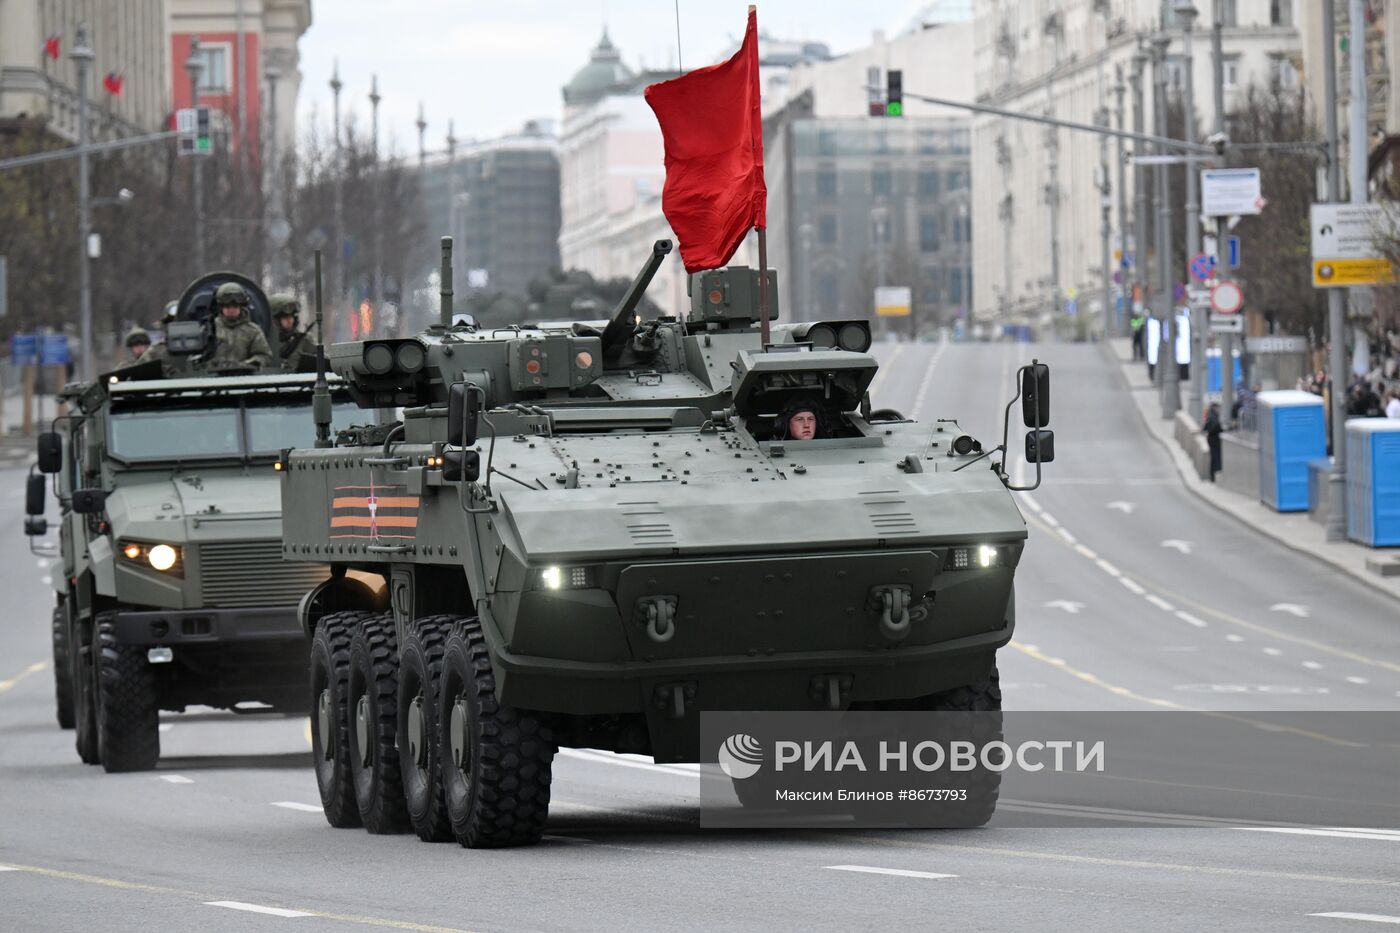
[(592, 532), (171, 590)]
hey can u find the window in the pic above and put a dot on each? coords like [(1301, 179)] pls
[(928, 234), (1231, 67), (826, 182), (826, 228), (955, 286), (1229, 12), (1281, 12), (962, 229), (1282, 71), (928, 183), (213, 76), (880, 181), (826, 142), (1176, 74), (172, 433), (880, 228), (956, 180)]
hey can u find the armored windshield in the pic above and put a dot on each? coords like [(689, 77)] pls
[(235, 428)]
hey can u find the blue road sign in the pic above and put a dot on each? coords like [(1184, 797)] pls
[(55, 350), (1071, 307), (1202, 266), (24, 349), (1233, 252)]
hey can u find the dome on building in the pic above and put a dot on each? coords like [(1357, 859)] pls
[(604, 69)]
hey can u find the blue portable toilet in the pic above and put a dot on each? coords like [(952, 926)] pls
[(1213, 380), (1292, 431), (1373, 481)]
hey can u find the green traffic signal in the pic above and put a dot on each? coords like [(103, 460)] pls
[(894, 109)]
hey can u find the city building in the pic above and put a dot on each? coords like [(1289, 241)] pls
[(499, 200), (1038, 249), (38, 79)]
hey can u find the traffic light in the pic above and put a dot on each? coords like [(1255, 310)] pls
[(894, 93), (195, 138)]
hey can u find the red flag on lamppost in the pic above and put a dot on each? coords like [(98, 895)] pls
[(113, 83), (51, 45), (712, 127)]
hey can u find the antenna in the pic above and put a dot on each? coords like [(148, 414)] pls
[(321, 395), (679, 66), (445, 288)]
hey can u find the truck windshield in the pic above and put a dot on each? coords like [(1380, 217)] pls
[(234, 429), (272, 428)]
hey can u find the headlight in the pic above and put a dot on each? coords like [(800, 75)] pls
[(978, 556), (564, 578), (166, 558), (162, 557)]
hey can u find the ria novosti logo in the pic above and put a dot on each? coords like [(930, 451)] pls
[(740, 756)]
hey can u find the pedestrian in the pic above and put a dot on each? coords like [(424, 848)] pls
[(1392, 404), (1139, 335), (1212, 430)]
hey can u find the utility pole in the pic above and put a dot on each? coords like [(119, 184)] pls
[(276, 242), (1358, 152), (376, 292), (1171, 377), (1125, 324), (1142, 279), (1336, 314), (1186, 19), (194, 66), (1106, 223), (422, 125), (338, 207), (1222, 227), (82, 56)]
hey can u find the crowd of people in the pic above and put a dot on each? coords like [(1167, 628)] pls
[(1375, 393)]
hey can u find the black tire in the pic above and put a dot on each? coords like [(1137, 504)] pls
[(330, 674), (372, 705), (83, 679), (496, 760), (128, 722), (420, 678), (62, 675), (982, 785)]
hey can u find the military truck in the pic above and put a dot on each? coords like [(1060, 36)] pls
[(590, 533), (171, 590)]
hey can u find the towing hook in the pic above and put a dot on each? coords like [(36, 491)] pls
[(894, 611), (658, 615)]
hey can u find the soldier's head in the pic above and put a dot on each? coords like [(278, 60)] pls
[(137, 342), (800, 419), (285, 309), (232, 301)]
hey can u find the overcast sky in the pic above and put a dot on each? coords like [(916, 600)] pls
[(490, 66)]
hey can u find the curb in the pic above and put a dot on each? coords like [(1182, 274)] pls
[(1189, 479)]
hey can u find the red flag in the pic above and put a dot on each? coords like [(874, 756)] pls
[(51, 45), (113, 83), (712, 127)]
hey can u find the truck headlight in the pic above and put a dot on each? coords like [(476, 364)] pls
[(166, 558), (977, 556), (162, 557), (555, 577)]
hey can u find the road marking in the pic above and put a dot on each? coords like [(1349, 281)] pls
[(630, 761), (1312, 665), (885, 368), (7, 868), (1131, 586), (1357, 680), (1333, 833), (1189, 619), (1049, 519), (164, 727), (1125, 507), (259, 909), (1160, 603), (926, 382), (1273, 652), (1093, 679), (1108, 568), (1086, 552), (175, 779), (1064, 533), (1068, 605), (29, 671), (901, 872), (293, 805), (1235, 638), (47, 581), (1177, 545), (1371, 918), (1030, 501), (1291, 608)]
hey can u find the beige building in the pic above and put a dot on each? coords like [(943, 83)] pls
[(127, 39), (1062, 57)]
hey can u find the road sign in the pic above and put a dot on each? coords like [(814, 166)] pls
[(1202, 266), (1226, 191), (1347, 245), (192, 126), (1071, 306), (24, 349), (1226, 297), (1232, 260), (893, 301), (54, 350), (1227, 324)]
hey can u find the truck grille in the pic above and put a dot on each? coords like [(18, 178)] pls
[(253, 573)]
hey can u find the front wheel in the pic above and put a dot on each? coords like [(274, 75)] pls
[(128, 728), (420, 680), (62, 676), (372, 705), (496, 760)]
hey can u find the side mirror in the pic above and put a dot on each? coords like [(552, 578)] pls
[(89, 501), (34, 494), (463, 413), (1035, 395), (36, 526), (459, 465), (1040, 446), (50, 453)]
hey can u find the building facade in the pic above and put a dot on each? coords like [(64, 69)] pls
[(1038, 193)]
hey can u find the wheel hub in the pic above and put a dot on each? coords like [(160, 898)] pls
[(461, 755), (417, 733), (324, 721), (362, 730)]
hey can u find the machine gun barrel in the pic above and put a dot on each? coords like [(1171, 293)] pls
[(445, 289), (321, 394), (614, 336)]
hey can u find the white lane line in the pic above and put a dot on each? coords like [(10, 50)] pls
[(630, 761), (1086, 552), (1108, 568), (1273, 652), (1371, 918), (1357, 680), (175, 779), (1234, 638), (1189, 619), (259, 909), (1161, 603), (47, 581), (7, 868), (1029, 500), (1131, 586), (1064, 533), (1049, 519), (164, 727), (1312, 665), (901, 872), (293, 805), (1332, 833), (927, 382)]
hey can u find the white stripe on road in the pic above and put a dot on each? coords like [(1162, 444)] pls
[(1086, 552), (1332, 833), (164, 727), (259, 909), (1161, 603), (7, 868), (1131, 585), (1357, 680), (1273, 652), (1108, 568), (1312, 665), (1049, 519), (630, 761), (1371, 918), (1189, 619), (1067, 536), (293, 805), (176, 779), (1030, 501), (901, 872), (1234, 638)]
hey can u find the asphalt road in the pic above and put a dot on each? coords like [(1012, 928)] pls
[(1132, 596)]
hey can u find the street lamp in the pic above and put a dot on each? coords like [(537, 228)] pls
[(82, 56), (194, 67), (1186, 18)]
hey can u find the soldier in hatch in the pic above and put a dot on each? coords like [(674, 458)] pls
[(802, 419), (239, 341), (293, 345)]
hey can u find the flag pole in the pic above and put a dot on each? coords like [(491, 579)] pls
[(763, 285)]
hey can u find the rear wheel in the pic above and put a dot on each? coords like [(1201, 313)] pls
[(420, 678), (372, 705), (128, 728), (83, 680), (62, 675), (330, 740), (496, 759), (982, 701)]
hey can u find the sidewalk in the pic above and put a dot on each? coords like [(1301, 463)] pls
[(1294, 530)]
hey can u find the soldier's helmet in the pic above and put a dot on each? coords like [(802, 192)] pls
[(137, 336), (231, 293), (284, 305), (171, 312)]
